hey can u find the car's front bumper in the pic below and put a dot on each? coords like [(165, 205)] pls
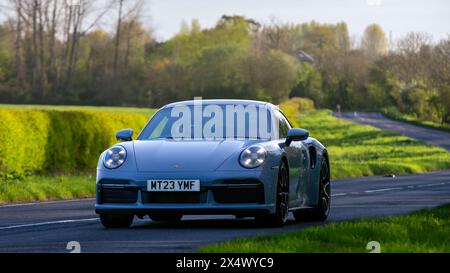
[(240, 193)]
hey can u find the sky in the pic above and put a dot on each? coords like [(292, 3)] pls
[(395, 16)]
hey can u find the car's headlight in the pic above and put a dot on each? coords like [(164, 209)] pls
[(252, 157), (114, 157)]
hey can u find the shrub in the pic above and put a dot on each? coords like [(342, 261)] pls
[(292, 107), (45, 140), (304, 104)]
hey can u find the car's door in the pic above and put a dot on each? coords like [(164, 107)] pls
[(294, 156), (304, 181)]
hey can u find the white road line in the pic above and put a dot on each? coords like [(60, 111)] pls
[(428, 185), (49, 223), (380, 190), (45, 202), (338, 194), (391, 189), (435, 184)]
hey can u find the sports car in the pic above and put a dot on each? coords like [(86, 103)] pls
[(230, 157)]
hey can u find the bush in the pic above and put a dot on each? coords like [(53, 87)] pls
[(304, 104), (45, 140), (292, 107)]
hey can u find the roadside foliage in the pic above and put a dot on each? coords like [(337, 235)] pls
[(39, 141), (358, 150), (50, 152)]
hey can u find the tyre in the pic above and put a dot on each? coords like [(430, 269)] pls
[(279, 218), (166, 217), (116, 220), (322, 210)]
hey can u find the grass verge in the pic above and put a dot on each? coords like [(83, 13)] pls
[(422, 231), (357, 150), (394, 114), (43, 188)]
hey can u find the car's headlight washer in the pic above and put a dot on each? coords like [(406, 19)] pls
[(252, 157), (114, 157)]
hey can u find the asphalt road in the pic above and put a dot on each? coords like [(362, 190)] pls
[(48, 227), (431, 136)]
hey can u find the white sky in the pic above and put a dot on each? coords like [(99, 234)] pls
[(398, 16)]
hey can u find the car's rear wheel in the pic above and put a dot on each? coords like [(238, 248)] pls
[(279, 218), (116, 220), (166, 217), (322, 210)]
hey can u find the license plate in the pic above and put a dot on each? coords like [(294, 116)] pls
[(173, 185)]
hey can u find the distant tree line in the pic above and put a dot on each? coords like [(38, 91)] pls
[(50, 53)]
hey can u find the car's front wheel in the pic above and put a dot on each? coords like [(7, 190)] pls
[(280, 216), (166, 217), (116, 220)]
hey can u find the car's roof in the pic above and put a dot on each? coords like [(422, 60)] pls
[(221, 102)]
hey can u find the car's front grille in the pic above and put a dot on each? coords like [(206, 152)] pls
[(171, 197), (119, 196)]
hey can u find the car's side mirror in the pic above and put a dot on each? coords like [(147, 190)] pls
[(296, 134), (125, 135)]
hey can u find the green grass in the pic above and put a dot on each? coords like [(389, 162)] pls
[(42, 188), (131, 110), (422, 231), (412, 119), (358, 150)]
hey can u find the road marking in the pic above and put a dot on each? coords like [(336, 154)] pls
[(380, 190), (46, 202), (338, 194), (435, 184), (391, 189), (49, 223)]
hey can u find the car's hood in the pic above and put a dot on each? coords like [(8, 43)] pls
[(173, 155)]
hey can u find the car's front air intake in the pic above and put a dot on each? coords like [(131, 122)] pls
[(119, 195)]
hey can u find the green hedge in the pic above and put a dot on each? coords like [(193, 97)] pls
[(294, 106), (46, 141)]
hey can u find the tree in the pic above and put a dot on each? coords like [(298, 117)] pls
[(440, 77), (51, 52), (280, 75), (309, 85), (374, 42)]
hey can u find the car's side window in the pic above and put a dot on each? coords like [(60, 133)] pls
[(283, 125)]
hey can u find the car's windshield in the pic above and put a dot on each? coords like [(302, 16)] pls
[(209, 122)]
